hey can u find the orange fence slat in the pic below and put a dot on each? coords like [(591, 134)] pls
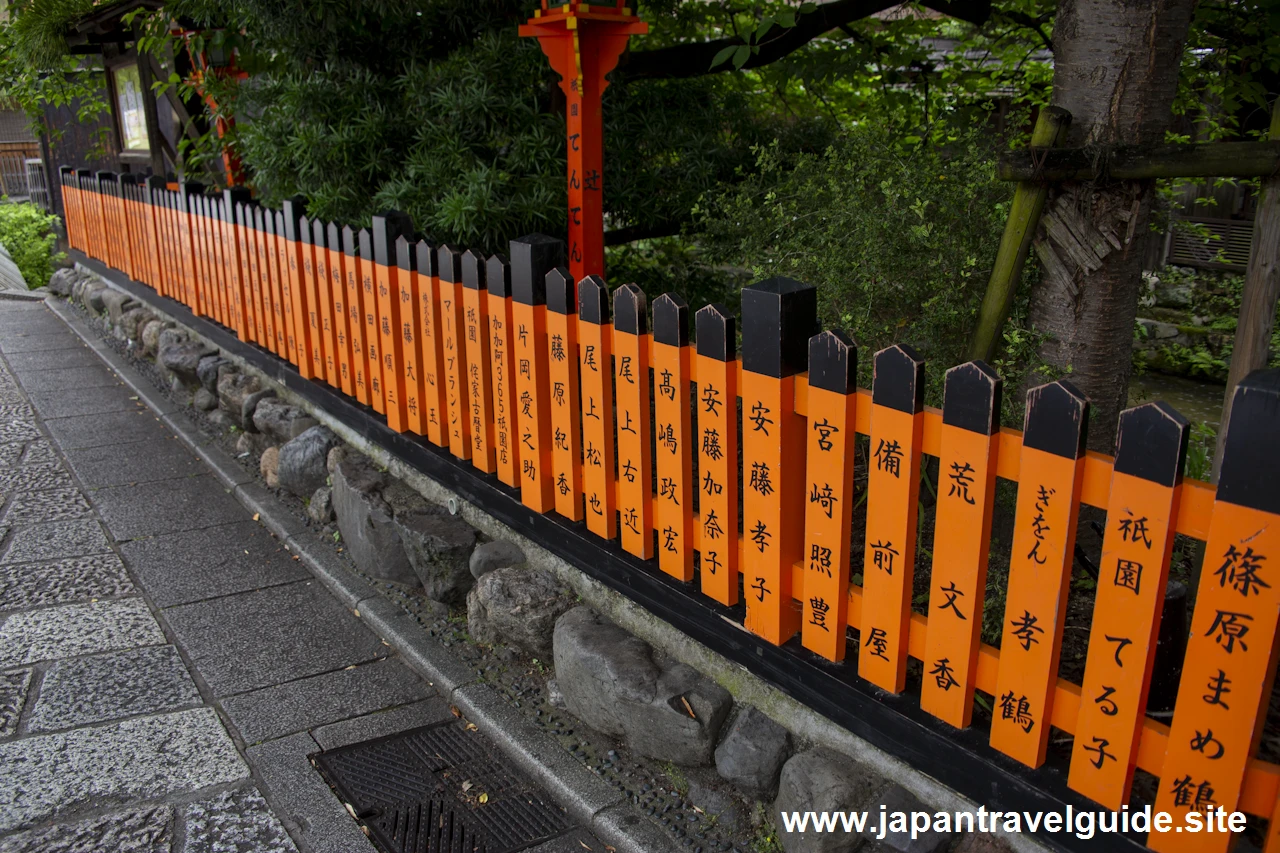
[(1039, 571), (566, 414), (961, 540), (507, 448), (674, 449)]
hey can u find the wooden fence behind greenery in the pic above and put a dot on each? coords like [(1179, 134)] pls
[(599, 407)]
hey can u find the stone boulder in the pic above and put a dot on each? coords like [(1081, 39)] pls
[(207, 372), (62, 281), (611, 681), (818, 781), (133, 321), (204, 401), (233, 388), (95, 297), (269, 466), (439, 547), (150, 337), (281, 421), (899, 799), (116, 302), (320, 507), (182, 359), (498, 554), (753, 752), (365, 521), (518, 606), (249, 407), (302, 460)]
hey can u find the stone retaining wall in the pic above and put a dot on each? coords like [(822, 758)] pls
[(618, 668)]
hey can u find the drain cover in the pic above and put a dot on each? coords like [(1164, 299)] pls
[(439, 790)]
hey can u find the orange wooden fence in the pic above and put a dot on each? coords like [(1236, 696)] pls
[(607, 413)]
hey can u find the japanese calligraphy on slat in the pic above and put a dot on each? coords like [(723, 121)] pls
[(562, 366), (717, 442), (631, 384), (595, 330), (339, 261), (531, 259), (961, 539), (386, 228), (431, 351), (507, 449), (354, 268), (829, 492), (372, 337), (673, 507), (475, 306), (292, 210), (1151, 446), (410, 331), (458, 422), (1039, 571), (893, 484), (1230, 662), (779, 316)]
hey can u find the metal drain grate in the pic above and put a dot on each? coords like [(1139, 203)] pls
[(421, 791)]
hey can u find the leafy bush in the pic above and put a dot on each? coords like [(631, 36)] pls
[(898, 240), (27, 232)]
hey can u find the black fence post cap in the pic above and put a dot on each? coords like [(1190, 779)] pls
[(897, 380), (717, 332), (1151, 443), (450, 264), (833, 362), (385, 227), (498, 275), (971, 397), (593, 300), (671, 320), (473, 271), (428, 261), (1057, 419), (405, 256), (779, 315), (349, 242), (532, 257), (560, 296), (1250, 471), (630, 310)]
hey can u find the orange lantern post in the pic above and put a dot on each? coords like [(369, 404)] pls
[(583, 42)]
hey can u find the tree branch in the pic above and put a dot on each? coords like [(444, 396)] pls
[(1025, 20), (694, 60), (631, 233)]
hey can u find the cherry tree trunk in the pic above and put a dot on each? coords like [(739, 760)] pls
[(1116, 71)]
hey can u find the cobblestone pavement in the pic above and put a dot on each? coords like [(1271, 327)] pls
[(166, 666)]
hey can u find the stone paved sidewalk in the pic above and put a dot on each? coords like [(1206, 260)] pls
[(166, 665)]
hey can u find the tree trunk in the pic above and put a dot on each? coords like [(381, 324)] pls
[(1116, 72)]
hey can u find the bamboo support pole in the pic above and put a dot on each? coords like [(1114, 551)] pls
[(1024, 215)]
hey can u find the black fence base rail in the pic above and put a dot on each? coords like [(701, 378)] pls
[(960, 759)]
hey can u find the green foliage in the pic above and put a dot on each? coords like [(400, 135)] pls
[(36, 69), (27, 233), (899, 243), (1200, 448)]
